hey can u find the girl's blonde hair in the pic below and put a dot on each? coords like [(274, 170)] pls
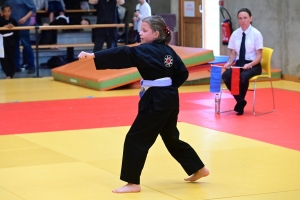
[(157, 23)]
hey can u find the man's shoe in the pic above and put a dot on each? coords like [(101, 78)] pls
[(240, 107), (31, 71), (236, 107)]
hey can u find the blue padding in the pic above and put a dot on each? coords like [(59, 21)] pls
[(219, 59), (215, 79)]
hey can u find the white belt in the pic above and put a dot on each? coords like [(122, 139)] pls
[(162, 82), (1, 43)]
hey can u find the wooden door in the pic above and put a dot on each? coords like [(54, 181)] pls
[(190, 23)]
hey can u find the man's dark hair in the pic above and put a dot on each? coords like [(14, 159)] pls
[(245, 10), (5, 6)]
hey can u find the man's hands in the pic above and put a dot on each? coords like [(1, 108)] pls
[(136, 14), (227, 65), (22, 20), (9, 25), (245, 67)]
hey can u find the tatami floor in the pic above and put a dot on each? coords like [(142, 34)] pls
[(85, 164)]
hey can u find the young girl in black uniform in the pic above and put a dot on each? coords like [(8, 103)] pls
[(9, 39), (163, 72)]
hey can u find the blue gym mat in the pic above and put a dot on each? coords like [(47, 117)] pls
[(219, 59)]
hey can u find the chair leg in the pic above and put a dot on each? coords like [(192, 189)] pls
[(221, 101), (254, 100), (220, 96)]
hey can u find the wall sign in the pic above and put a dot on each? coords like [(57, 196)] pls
[(189, 9)]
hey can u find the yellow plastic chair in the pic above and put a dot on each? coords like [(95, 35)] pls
[(266, 66)]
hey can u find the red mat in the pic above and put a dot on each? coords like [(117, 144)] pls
[(280, 128)]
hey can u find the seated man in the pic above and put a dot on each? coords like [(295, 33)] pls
[(50, 36)]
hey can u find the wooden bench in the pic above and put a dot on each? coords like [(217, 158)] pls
[(70, 11), (70, 47), (43, 13), (48, 46)]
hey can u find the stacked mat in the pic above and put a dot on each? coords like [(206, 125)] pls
[(85, 73)]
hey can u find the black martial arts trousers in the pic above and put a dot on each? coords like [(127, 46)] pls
[(142, 135), (244, 79), (8, 62)]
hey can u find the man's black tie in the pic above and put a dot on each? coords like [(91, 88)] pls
[(242, 51)]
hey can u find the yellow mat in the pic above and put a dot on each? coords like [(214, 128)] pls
[(85, 164)]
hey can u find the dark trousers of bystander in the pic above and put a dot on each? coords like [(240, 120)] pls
[(8, 62), (245, 76), (99, 42)]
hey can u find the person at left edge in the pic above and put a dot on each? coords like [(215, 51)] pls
[(9, 38), (21, 12)]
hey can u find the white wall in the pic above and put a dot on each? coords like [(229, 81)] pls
[(211, 25)]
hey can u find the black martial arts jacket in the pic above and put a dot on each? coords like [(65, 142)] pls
[(153, 61), (10, 40)]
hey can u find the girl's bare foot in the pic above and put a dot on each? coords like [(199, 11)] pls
[(199, 174), (129, 188)]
